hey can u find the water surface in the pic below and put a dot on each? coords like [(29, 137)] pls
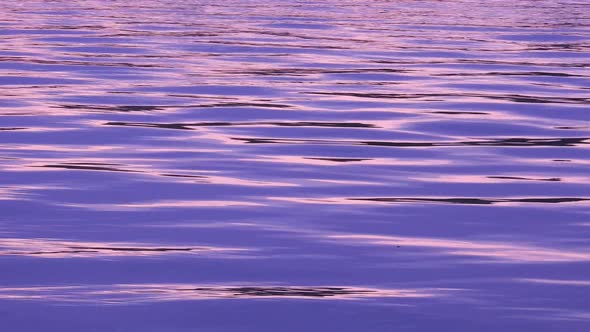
[(295, 165)]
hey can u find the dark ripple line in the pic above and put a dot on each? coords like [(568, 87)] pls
[(185, 176), (338, 160), (508, 142), (12, 129), (312, 71), (97, 167), (572, 128), (513, 97), (120, 108), (483, 62), (523, 178), (79, 63), (458, 113), (84, 249), (137, 249), (529, 73), (188, 126), (472, 201), (144, 108), (89, 168), (285, 291)]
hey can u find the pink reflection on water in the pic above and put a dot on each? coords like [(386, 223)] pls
[(59, 148), (24, 192), (318, 200), (347, 182), (138, 166), (329, 161), (163, 204), (502, 178), (563, 282), (496, 251), (56, 248), (146, 293)]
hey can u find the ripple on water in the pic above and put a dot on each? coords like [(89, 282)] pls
[(413, 162)]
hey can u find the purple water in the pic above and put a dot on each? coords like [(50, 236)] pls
[(294, 165)]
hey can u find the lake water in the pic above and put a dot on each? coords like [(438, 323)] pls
[(294, 165)]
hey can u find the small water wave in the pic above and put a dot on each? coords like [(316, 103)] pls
[(145, 293), (413, 162)]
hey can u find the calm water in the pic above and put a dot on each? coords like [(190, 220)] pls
[(294, 165)]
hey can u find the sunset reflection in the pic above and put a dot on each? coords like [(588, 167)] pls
[(493, 251), (291, 166), (55, 248), (146, 293)]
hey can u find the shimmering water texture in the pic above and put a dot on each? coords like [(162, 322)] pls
[(240, 165)]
